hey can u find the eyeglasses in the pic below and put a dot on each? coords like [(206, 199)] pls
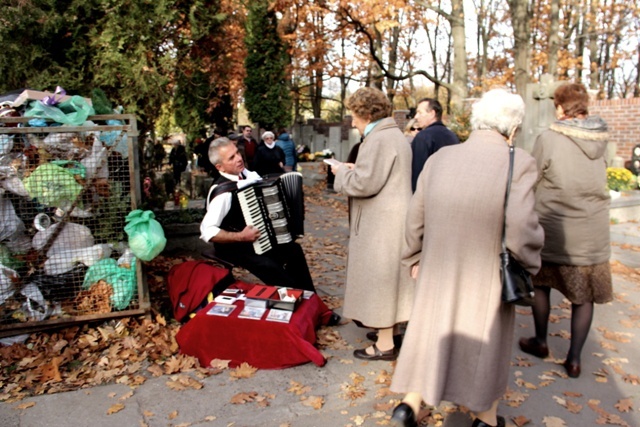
[(416, 129)]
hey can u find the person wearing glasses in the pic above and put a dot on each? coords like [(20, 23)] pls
[(411, 130), (433, 136), (270, 158)]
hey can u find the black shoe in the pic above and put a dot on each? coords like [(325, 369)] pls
[(334, 319), (531, 346), (377, 354), (403, 416), (397, 339), (479, 423)]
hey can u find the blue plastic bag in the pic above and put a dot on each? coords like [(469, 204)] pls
[(73, 111), (146, 236)]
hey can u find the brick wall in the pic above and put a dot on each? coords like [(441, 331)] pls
[(623, 118)]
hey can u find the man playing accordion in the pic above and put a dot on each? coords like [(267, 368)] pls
[(224, 225)]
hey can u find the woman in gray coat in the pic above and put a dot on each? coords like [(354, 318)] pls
[(572, 201), (378, 293), (458, 342)]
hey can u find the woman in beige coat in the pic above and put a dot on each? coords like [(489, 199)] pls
[(572, 202), (378, 294), (458, 343)]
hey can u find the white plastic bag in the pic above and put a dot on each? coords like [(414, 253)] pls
[(7, 277), (9, 221), (63, 261), (72, 236)]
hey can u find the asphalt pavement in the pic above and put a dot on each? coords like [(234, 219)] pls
[(350, 392)]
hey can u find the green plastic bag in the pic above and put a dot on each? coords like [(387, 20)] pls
[(146, 236), (52, 185), (122, 280), (73, 111)]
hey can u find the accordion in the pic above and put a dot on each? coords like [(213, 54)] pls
[(275, 206)]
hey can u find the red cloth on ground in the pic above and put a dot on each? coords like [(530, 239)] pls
[(262, 344)]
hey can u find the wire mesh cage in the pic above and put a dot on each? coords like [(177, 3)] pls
[(65, 193)]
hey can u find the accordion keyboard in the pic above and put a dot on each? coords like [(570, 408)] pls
[(252, 212)]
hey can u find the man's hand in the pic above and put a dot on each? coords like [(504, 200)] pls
[(249, 234)]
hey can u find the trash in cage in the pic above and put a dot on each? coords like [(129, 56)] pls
[(65, 192), (122, 280)]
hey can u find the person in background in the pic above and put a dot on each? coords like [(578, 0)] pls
[(178, 161), (158, 155), (269, 158), (411, 129), (433, 136), (457, 346), (247, 145), (285, 142), (572, 202), (378, 291)]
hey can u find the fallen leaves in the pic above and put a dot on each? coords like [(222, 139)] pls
[(116, 407), (298, 388), (624, 405), (570, 405), (316, 402), (243, 371), (605, 417), (183, 382)]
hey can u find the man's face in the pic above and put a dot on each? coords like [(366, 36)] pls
[(246, 132), (424, 115), (230, 160)]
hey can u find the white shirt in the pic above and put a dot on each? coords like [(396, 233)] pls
[(220, 205)]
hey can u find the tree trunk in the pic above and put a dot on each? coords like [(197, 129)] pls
[(554, 39), (593, 45), (521, 21), (459, 86)]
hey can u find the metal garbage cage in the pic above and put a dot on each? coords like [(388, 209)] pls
[(65, 192)]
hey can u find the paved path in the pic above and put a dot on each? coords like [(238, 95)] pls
[(353, 393)]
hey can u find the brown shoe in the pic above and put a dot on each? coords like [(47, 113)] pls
[(377, 354), (573, 369), (531, 346)]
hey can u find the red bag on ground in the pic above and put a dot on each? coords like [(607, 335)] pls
[(189, 284)]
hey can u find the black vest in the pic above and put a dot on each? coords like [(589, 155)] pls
[(234, 221)]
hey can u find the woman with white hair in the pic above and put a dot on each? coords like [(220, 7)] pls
[(457, 347), (269, 158)]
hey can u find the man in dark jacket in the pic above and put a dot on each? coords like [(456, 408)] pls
[(433, 136)]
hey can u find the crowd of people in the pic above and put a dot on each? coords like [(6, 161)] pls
[(424, 238)]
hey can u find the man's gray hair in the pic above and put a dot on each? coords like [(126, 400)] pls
[(214, 149), (498, 110)]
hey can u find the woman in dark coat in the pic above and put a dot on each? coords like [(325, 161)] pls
[(269, 158), (572, 202)]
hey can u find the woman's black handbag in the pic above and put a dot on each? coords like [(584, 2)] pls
[(517, 287)]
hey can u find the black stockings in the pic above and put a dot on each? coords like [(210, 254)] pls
[(541, 310), (581, 317)]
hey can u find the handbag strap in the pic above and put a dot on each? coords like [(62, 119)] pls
[(506, 197)]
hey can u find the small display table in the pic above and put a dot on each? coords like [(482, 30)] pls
[(262, 344)]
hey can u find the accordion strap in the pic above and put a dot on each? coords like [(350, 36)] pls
[(225, 187), (506, 197)]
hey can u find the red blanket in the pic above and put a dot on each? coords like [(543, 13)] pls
[(260, 343)]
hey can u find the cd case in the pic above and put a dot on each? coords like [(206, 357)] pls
[(277, 315), (221, 309), (252, 313)]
